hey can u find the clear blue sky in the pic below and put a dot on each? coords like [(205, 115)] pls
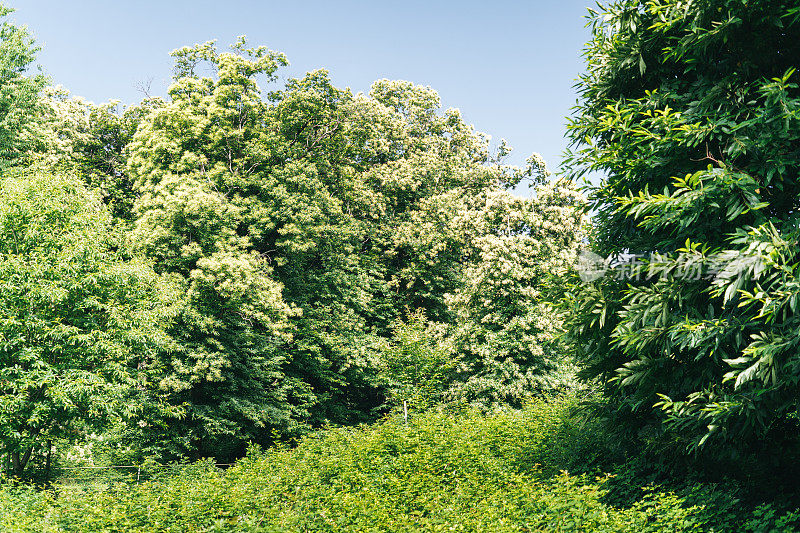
[(509, 66)]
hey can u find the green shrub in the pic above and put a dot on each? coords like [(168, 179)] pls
[(443, 472)]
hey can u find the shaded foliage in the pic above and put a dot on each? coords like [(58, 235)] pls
[(691, 110)]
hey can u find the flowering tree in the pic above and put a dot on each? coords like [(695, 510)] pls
[(18, 92), (505, 329), (304, 222)]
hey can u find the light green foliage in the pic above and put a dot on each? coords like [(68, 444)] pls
[(416, 363), (210, 210), (505, 330), (305, 221), (79, 322), (90, 141), (693, 112), (440, 473), (18, 92)]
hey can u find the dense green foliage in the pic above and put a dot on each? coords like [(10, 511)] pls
[(77, 318), (692, 110), (306, 221), (18, 92), (441, 473), (247, 264), (416, 363), (298, 227), (90, 141)]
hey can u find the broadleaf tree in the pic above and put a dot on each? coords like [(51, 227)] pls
[(88, 140), (691, 110), (19, 89), (81, 322), (305, 221)]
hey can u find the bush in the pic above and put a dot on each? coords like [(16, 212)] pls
[(443, 472)]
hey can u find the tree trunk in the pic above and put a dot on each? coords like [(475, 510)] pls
[(15, 462), (47, 462), (18, 462)]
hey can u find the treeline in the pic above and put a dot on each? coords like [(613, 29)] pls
[(242, 261)]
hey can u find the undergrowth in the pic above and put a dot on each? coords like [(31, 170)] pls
[(544, 468)]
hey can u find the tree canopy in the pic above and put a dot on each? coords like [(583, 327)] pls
[(293, 245), (307, 220), (691, 110), (18, 91), (79, 321)]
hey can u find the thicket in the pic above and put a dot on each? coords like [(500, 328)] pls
[(293, 233), (536, 469)]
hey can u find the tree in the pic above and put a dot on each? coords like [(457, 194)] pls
[(80, 322), (505, 330), (90, 141), (416, 363), (486, 264), (294, 216), (232, 201), (691, 110), (18, 93)]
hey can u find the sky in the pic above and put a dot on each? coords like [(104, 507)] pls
[(509, 66)]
